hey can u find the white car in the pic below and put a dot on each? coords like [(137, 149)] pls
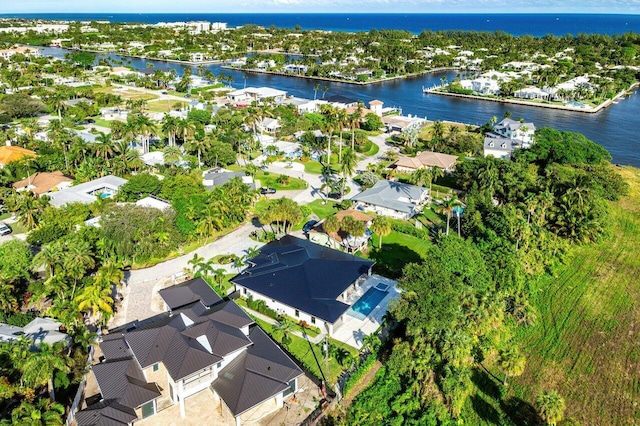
[(4, 229)]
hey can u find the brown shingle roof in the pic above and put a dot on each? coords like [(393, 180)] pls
[(42, 182), (428, 159)]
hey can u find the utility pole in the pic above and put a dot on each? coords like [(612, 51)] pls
[(326, 361)]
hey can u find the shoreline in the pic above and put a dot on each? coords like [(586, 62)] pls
[(590, 110), (337, 80), (146, 58)]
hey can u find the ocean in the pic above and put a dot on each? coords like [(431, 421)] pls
[(516, 24)]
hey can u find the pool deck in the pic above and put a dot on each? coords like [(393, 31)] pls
[(353, 330)]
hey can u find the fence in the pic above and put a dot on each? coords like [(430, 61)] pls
[(78, 398)]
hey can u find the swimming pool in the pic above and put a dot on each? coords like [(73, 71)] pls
[(367, 303)]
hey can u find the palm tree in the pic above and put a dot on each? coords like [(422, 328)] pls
[(43, 412), (218, 276), (50, 256), (284, 327), (77, 260), (172, 155), (239, 262), (550, 407), (447, 207), (105, 146), (381, 225), (331, 224), (56, 102), (348, 165), (198, 145), (511, 362), (422, 176), (40, 366), (315, 90), (170, 126), (145, 128), (252, 252), (96, 298)]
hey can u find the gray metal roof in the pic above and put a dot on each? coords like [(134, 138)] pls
[(188, 292), (391, 195), (106, 413), (124, 381), (262, 372), (303, 275)]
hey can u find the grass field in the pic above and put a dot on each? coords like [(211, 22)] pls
[(397, 250), (586, 341), (165, 106)]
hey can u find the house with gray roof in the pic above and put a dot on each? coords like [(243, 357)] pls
[(395, 199), (202, 343), (88, 192), (219, 176), (304, 280), (507, 136), (39, 330)]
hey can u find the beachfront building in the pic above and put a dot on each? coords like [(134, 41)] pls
[(202, 345), (394, 199), (426, 159), (303, 280), (507, 136), (23, 50)]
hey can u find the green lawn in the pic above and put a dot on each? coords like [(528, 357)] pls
[(373, 150), (585, 343), (270, 180), (323, 210), (312, 167), (165, 106), (397, 250)]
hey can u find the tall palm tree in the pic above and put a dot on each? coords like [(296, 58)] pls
[(172, 155), (43, 412), (105, 146), (170, 126), (550, 407), (145, 128), (40, 366), (348, 165), (50, 256), (381, 225), (198, 145), (331, 224), (77, 260), (447, 207), (284, 327)]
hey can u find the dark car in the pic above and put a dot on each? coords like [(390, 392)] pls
[(91, 121), (164, 92), (309, 225), (265, 191), (4, 229), (334, 195)]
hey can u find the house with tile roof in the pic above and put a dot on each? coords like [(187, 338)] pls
[(43, 182), (394, 199), (202, 343), (426, 159), (304, 280), (10, 153)]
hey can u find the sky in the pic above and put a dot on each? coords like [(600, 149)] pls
[(319, 6)]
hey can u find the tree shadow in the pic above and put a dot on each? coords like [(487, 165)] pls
[(484, 410), (391, 258), (485, 383), (521, 412)]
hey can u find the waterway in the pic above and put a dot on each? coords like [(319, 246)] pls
[(616, 128)]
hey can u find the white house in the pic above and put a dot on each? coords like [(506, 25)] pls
[(394, 199)]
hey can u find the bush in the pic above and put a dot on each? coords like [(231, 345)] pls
[(406, 228), (225, 259), (362, 369), (263, 236), (261, 307)]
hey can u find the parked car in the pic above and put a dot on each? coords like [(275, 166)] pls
[(334, 195), (4, 229), (164, 92), (265, 191), (309, 225)]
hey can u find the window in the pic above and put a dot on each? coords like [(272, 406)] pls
[(148, 409), (297, 313), (244, 291), (290, 389), (219, 365), (313, 320), (155, 367)]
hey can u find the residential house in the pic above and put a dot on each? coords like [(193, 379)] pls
[(74, 102), (39, 330), (499, 147), (201, 344), (426, 159), (219, 176), (512, 129), (10, 153), (153, 202), (401, 123), (304, 280), (87, 193), (341, 238), (376, 107), (395, 199), (270, 125), (114, 113), (43, 182), (290, 150), (257, 94), (340, 101)]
